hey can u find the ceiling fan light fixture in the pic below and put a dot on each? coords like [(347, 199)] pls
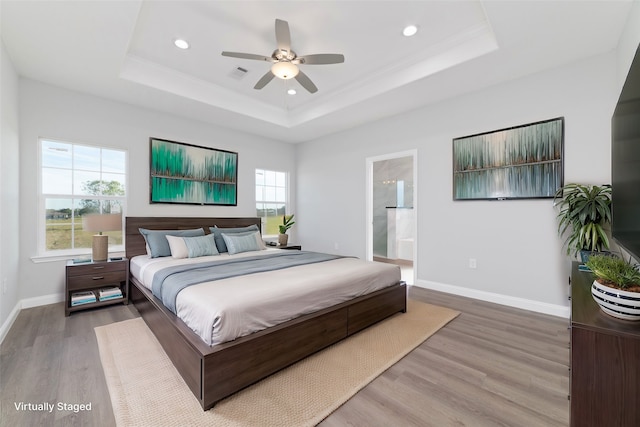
[(410, 30), (284, 70), (292, 92)]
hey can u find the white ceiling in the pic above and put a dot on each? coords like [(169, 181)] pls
[(123, 50)]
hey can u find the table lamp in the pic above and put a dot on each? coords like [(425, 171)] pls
[(100, 223)]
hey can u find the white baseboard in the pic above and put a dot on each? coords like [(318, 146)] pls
[(43, 300), (525, 304), (27, 303), (4, 329)]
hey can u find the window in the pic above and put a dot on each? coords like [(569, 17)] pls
[(77, 180), (271, 199)]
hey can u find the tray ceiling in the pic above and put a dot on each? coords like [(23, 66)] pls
[(124, 51)]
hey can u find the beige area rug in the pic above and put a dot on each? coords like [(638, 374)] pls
[(146, 389)]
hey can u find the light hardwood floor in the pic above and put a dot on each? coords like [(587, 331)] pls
[(491, 366)]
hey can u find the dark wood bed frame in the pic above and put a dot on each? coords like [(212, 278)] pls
[(213, 373)]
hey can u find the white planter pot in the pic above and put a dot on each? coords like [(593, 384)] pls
[(617, 303)]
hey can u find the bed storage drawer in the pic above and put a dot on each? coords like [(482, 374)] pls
[(270, 352), (379, 306)]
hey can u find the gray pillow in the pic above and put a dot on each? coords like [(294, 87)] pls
[(243, 242), (159, 245), (217, 232)]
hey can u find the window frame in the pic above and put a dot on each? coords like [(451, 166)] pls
[(286, 203), (42, 250)]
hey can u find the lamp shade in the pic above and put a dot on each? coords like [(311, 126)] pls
[(102, 222), (99, 223), (284, 70)]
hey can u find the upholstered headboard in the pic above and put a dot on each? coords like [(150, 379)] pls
[(135, 243)]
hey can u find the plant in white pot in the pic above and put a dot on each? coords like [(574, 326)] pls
[(584, 211), (616, 287), (287, 223)]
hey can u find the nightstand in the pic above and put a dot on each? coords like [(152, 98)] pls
[(291, 247), (95, 284)]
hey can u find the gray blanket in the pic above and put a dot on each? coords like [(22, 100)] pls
[(168, 282)]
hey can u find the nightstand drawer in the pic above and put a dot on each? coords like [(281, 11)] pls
[(95, 268), (96, 279)]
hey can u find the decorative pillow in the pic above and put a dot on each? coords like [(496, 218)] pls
[(177, 246), (217, 232), (158, 243), (243, 242), (201, 245)]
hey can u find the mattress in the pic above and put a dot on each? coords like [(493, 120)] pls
[(223, 310)]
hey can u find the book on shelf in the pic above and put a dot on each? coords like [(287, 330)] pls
[(110, 297), (79, 298), (109, 293)]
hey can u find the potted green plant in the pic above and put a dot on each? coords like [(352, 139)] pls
[(584, 210), (287, 223), (616, 287)]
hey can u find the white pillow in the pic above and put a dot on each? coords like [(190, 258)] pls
[(178, 247)]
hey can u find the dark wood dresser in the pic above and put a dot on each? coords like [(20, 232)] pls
[(605, 362)]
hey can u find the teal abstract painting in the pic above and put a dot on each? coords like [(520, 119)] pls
[(521, 162), (190, 174)]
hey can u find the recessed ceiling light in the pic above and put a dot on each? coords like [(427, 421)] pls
[(409, 30), (182, 44), (292, 92)]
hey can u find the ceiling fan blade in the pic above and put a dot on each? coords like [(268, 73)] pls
[(283, 36), (264, 80), (306, 82), (320, 58), (248, 56)]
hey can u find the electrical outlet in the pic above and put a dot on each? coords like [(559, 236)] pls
[(472, 263), (336, 246), (4, 286)]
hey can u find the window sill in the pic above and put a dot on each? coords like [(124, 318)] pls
[(38, 259)]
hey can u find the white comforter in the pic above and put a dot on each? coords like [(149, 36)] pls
[(223, 310)]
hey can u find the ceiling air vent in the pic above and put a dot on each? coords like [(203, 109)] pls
[(238, 73)]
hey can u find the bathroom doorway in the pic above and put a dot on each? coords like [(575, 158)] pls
[(392, 211)]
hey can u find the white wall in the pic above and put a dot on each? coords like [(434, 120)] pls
[(51, 112), (9, 199), (519, 255)]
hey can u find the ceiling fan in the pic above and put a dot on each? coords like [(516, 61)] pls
[(285, 61)]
